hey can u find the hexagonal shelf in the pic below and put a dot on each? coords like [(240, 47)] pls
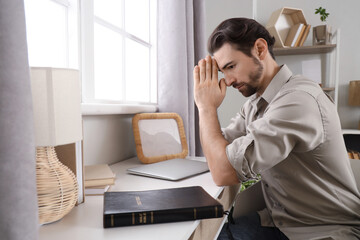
[(281, 22)]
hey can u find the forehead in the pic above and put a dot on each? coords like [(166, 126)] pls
[(228, 53)]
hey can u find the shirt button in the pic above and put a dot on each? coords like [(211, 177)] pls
[(280, 223), (266, 185)]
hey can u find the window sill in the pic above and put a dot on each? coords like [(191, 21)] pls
[(110, 109)]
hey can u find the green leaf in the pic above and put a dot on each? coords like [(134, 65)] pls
[(322, 12), (245, 185)]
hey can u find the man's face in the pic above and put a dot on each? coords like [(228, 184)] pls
[(241, 71)]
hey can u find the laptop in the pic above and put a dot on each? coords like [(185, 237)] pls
[(172, 170)]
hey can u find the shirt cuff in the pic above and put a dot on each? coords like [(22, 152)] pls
[(235, 152)]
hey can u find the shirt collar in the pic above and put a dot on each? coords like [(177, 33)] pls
[(274, 86), (276, 83)]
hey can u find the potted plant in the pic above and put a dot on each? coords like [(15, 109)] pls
[(322, 33)]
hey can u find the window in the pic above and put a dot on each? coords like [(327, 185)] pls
[(51, 28), (119, 51), (117, 43)]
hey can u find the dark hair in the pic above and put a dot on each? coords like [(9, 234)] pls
[(241, 33)]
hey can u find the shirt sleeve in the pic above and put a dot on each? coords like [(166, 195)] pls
[(236, 127), (292, 122)]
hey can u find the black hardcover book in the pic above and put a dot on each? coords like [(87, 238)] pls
[(159, 206)]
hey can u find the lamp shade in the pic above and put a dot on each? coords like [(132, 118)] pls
[(56, 105), (354, 93)]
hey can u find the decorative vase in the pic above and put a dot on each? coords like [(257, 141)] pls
[(322, 35), (57, 187)]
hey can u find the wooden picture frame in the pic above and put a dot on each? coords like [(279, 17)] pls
[(159, 137)]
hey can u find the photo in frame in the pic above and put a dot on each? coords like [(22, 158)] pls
[(159, 137)]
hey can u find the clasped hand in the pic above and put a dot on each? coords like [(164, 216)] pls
[(208, 92)]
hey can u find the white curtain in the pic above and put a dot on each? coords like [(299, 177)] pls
[(181, 43), (18, 199)]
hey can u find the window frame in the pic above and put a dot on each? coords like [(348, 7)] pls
[(92, 106), (77, 52)]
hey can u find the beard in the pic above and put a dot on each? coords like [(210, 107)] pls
[(249, 89)]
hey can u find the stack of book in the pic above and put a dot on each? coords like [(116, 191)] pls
[(297, 35), (98, 179)]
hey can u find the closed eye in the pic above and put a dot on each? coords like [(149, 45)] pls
[(230, 67)]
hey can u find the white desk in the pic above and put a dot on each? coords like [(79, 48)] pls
[(86, 220)]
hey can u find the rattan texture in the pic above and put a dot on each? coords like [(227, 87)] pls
[(56, 186)]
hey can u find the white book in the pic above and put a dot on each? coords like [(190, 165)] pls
[(294, 34)]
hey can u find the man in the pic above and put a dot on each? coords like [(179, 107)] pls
[(288, 131)]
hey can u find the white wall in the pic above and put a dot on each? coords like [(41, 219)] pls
[(108, 139), (343, 15)]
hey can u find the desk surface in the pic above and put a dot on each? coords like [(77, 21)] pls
[(86, 220)]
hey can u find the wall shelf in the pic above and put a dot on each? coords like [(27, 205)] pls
[(318, 49)]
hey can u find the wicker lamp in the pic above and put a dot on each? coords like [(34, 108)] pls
[(57, 118)]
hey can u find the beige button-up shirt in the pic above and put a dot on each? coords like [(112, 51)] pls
[(291, 135)]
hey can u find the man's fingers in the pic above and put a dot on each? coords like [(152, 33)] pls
[(202, 70), (208, 67), (196, 73), (223, 86), (214, 70)]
